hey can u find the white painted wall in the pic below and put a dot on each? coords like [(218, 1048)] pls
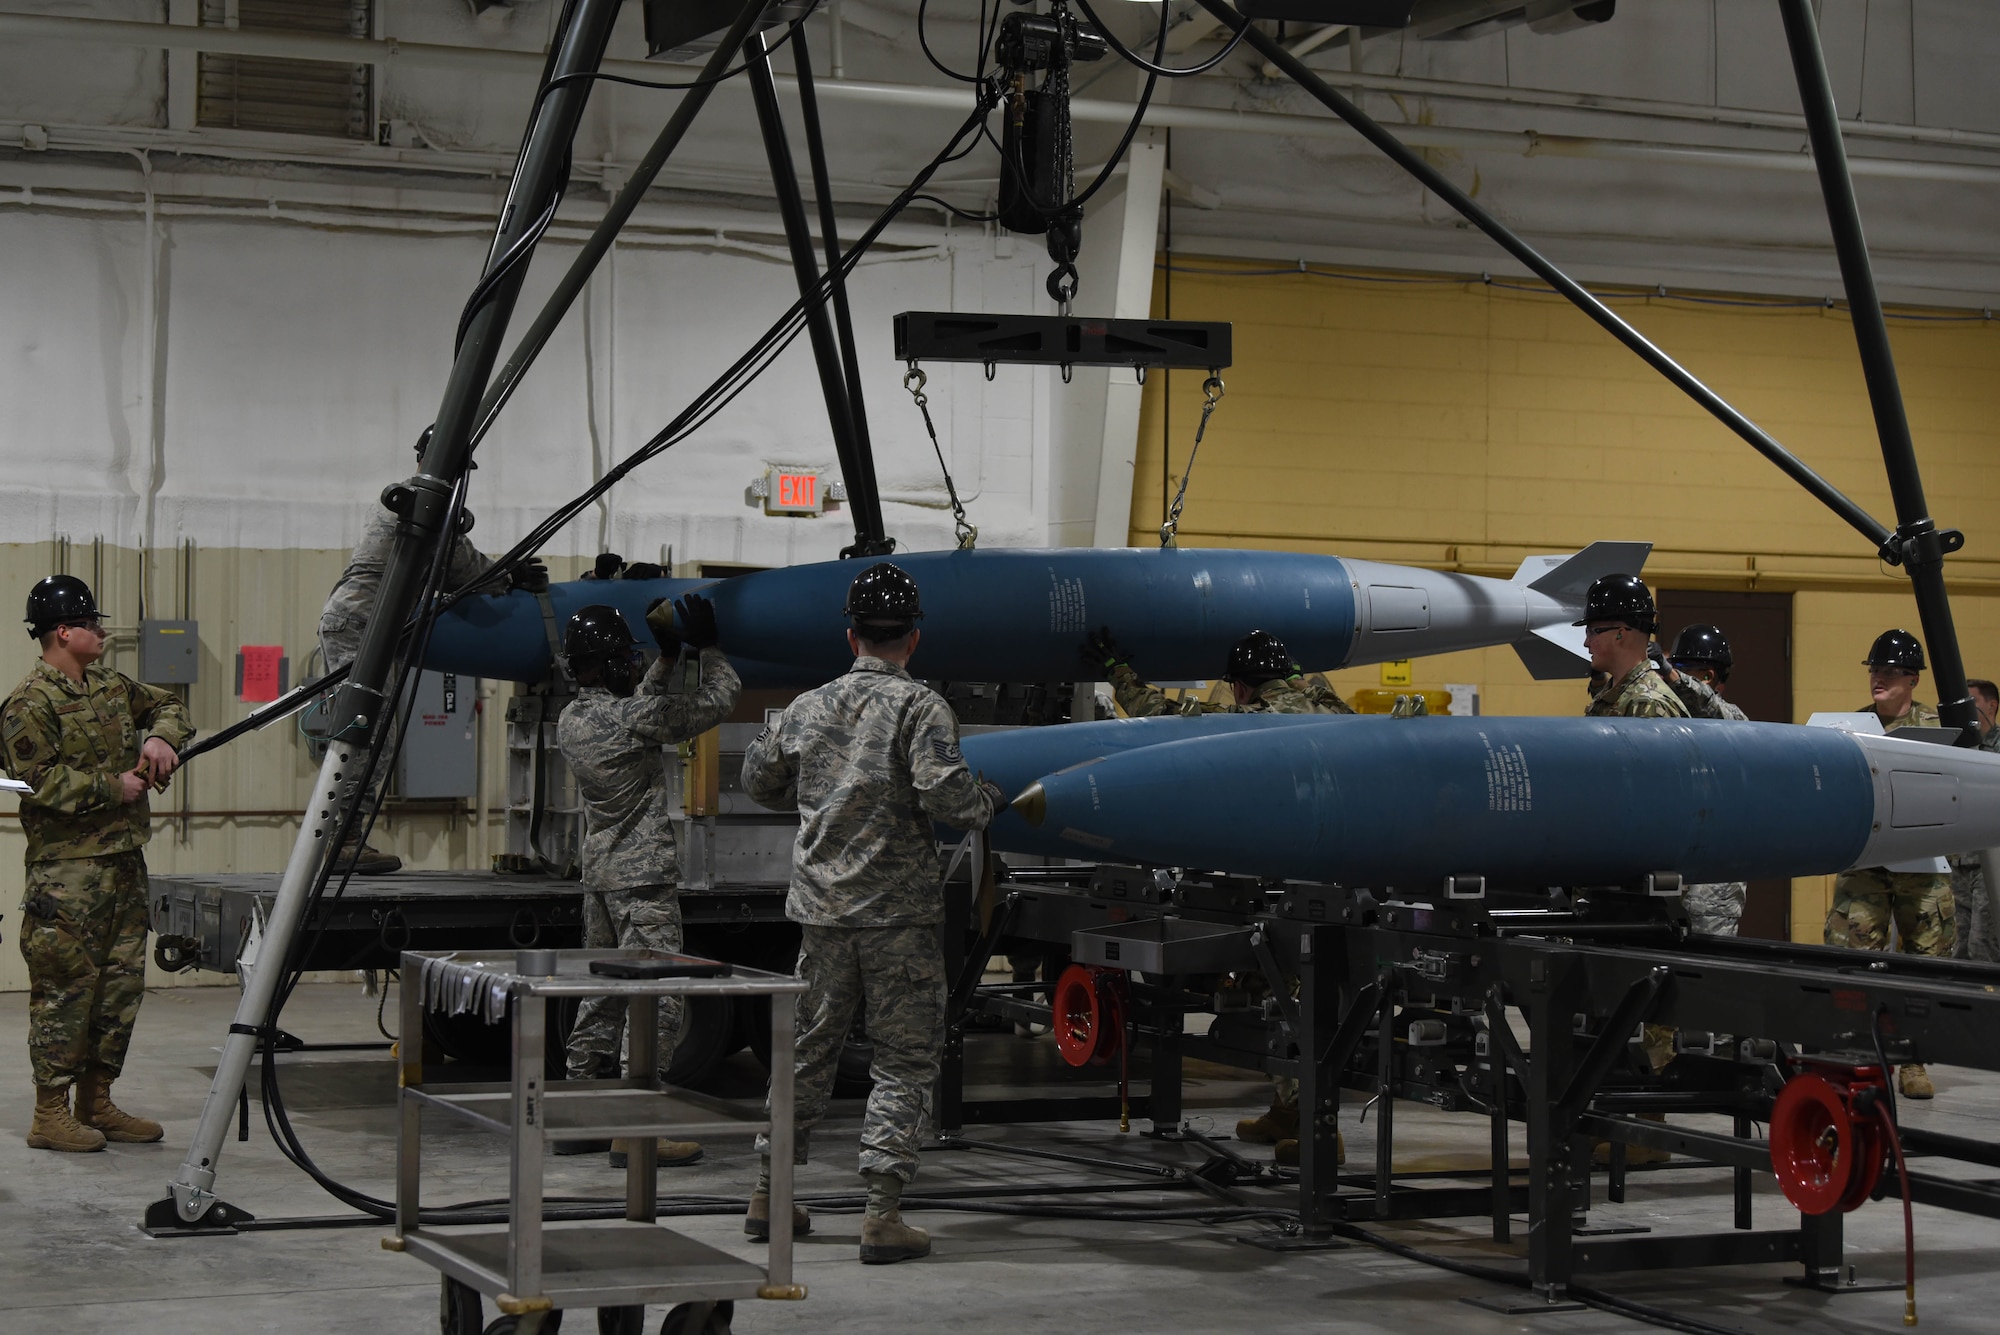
[(297, 365)]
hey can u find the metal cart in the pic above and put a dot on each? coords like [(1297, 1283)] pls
[(532, 1268)]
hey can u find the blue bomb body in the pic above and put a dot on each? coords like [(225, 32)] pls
[(1379, 801), (1022, 615)]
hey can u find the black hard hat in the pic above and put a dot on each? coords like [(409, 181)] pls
[(1619, 598), (1702, 644), (1259, 657), (57, 599), (883, 595), (597, 632), (1897, 649)]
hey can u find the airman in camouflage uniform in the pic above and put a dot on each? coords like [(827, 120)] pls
[(92, 743), (1262, 680), (344, 620), (615, 747), (1637, 693), (869, 761), (1978, 938), (1260, 672), (1618, 620), (1867, 900), (1715, 908)]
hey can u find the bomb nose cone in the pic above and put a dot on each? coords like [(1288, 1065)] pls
[(1033, 804)]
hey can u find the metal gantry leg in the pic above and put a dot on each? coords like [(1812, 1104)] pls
[(1917, 545), (856, 465), (579, 49)]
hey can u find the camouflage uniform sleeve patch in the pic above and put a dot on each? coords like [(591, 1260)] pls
[(945, 787), (768, 775)]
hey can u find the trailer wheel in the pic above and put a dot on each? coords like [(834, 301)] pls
[(851, 1079), (699, 1319), (710, 1035), (458, 1308), (621, 1320)]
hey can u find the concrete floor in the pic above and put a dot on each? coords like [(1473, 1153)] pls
[(73, 1261)]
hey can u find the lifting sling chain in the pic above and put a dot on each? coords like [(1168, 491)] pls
[(914, 380), (1211, 393)]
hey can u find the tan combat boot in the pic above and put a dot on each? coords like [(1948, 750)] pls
[(55, 1129), (671, 1153), (1276, 1123), (1286, 1152), (1915, 1082), (371, 862), (95, 1108), (885, 1239), (757, 1223)]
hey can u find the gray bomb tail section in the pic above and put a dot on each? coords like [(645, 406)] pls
[(1554, 651)]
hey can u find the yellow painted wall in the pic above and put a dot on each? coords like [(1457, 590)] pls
[(1465, 426)]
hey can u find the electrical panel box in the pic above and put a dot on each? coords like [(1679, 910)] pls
[(440, 746), (169, 652)]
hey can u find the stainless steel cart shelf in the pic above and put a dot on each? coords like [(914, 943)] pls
[(592, 1110), (613, 1264), (530, 1266)]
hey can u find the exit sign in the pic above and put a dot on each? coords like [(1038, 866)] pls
[(794, 494)]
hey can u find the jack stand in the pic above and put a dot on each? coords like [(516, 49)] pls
[(220, 1219), (1277, 1240), (1821, 1282)]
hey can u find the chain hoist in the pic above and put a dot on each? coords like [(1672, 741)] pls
[(914, 380), (1211, 394)]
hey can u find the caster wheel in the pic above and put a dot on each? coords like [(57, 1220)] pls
[(548, 1324), (621, 1320), (458, 1309), (699, 1319)]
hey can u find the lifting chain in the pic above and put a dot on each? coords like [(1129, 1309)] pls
[(1211, 393), (914, 380)]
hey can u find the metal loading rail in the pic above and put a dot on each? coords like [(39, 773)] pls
[(1427, 998)]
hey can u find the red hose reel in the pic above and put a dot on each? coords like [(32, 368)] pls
[(1827, 1153), (1089, 1006), (1831, 1129)]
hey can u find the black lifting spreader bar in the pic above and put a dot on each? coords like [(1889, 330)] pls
[(1917, 545), (1760, 440)]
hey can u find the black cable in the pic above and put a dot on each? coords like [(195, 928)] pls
[(738, 376), (955, 210), (1138, 113), (681, 85), (1609, 1302), (514, 255), (1888, 1072), (938, 65), (1153, 66)]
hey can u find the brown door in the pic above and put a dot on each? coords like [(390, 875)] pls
[(1758, 627)]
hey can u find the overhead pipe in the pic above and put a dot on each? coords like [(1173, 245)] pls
[(391, 53)]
